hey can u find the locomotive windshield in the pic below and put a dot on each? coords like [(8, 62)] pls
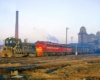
[(6, 41), (14, 41), (11, 42)]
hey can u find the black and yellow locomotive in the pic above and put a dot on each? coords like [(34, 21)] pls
[(16, 48)]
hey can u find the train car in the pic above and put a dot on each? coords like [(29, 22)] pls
[(48, 48), (16, 48)]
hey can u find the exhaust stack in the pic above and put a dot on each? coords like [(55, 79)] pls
[(16, 26)]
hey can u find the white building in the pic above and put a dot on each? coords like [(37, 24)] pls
[(89, 39)]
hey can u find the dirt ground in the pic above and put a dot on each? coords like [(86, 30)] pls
[(70, 67)]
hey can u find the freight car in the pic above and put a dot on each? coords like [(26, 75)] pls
[(16, 48)]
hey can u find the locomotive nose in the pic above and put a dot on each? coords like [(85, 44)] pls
[(39, 51)]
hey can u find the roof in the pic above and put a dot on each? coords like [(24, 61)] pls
[(11, 38), (82, 31), (98, 33), (91, 34)]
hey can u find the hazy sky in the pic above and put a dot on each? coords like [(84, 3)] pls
[(47, 19)]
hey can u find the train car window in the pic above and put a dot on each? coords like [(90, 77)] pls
[(57, 45), (54, 45), (64, 46), (48, 45), (41, 42), (60, 46)]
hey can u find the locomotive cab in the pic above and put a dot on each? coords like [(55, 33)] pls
[(11, 42)]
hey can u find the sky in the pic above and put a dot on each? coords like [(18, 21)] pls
[(47, 20)]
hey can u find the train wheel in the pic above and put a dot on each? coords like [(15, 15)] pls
[(65, 54), (16, 54), (32, 54), (46, 54), (53, 54), (57, 54), (61, 54), (35, 54)]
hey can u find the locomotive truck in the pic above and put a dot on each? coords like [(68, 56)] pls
[(16, 48)]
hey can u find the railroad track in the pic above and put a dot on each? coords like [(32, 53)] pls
[(40, 62), (48, 64)]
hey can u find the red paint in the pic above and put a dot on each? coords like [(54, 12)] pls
[(51, 47)]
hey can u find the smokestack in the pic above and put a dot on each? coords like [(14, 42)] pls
[(16, 26)]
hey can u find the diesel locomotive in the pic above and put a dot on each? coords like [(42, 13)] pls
[(16, 48), (46, 48)]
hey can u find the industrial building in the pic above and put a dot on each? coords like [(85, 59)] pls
[(87, 43)]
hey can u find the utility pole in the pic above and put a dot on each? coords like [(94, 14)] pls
[(82, 42), (71, 39), (66, 37)]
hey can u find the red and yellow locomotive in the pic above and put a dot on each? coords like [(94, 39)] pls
[(46, 48)]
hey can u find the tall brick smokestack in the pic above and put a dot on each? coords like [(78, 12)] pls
[(16, 26)]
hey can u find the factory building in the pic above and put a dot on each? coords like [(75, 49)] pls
[(87, 43)]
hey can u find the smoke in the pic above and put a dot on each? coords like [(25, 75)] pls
[(39, 34), (52, 38)]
